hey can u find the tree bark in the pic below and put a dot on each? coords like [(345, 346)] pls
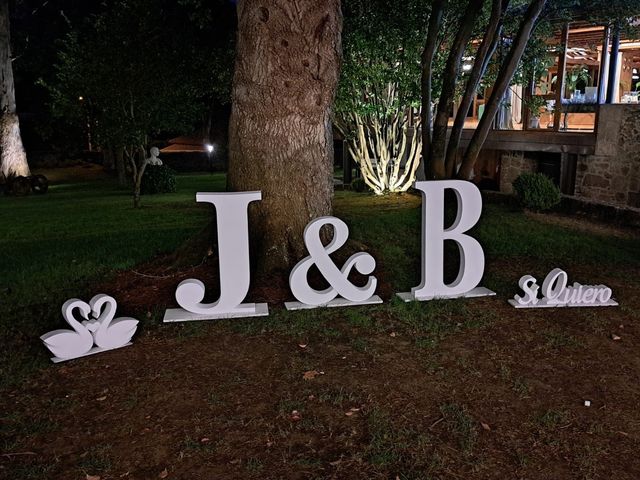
[(280, 138), (13, 159), (108, 158), (137, 184), (450, 77), (483, 56), (502, 83), (426, 72), (137, 170), (121, 167)]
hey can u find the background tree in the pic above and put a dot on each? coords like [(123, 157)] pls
[(478, 19), (280, 137), (505, 75), (520, 29), (13, 159), (433, 39), (136, 69), (482, 58)]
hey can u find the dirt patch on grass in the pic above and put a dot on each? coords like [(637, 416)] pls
[(148, 289), (450, 389)]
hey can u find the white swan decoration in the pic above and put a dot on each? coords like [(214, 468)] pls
[(66, 344), (111, 333), (101, 329)]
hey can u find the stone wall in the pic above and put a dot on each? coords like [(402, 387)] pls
[(513, 164), (612, 174)]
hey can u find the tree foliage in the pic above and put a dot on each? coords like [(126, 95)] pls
[(138, 68), (139, 72), (379, 90), (383, 43)]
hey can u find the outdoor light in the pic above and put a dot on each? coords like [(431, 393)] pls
[(467, 63), (209, 147), (81, 98)]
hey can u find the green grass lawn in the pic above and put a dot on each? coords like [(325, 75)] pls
[(79, 232), (504, 232), (55, 246), (415, 379)]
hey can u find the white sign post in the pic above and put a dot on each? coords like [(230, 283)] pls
[(101, 329), (233, 253), (337, 278), (434, 235), (556, 293)]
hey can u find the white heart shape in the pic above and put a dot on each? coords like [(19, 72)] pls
[(91, 325), (93, 302)]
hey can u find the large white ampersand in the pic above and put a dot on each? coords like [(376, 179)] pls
[(319, 255)]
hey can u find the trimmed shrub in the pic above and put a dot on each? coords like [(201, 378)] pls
[(39, 184), (359, 185), (18, 186), (536, 191), (158, 179)]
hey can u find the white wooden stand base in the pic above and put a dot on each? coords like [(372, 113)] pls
[(338, 302), (476, 292), (244, 310), (543, 304), (90, 352)]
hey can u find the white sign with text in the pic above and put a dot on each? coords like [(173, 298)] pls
[(556, 293)]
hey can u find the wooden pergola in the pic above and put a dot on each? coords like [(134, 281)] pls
[(599, 46)]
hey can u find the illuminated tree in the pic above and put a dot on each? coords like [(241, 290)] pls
[(13, 159), (378, 103)]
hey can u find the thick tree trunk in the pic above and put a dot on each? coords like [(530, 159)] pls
[(108, 158), (280, 137), (449, 79), (426, 72), (121, 167), (137, 185), (502, 83), (137, 171), (483, 56), (13, 159)]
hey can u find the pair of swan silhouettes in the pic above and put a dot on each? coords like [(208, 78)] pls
[(103, 330)]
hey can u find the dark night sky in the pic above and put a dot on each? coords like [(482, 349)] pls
[(37, 26)]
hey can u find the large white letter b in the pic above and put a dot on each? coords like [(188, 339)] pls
[(434, 235)]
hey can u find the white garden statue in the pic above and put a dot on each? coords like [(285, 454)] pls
[(153, 158)]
